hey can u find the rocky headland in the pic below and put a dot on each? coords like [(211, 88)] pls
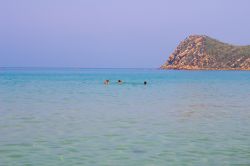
[(200, 52)]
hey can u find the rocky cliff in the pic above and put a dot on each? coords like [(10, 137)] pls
[(200, 52)]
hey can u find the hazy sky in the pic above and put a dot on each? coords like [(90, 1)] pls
[(112, 33)]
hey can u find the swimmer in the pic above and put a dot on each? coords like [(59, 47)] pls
[(145, 82), (119, 81), (106, 82)]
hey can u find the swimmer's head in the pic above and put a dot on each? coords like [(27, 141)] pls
[(106, 82)]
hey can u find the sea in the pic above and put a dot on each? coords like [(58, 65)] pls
[(67, 116)]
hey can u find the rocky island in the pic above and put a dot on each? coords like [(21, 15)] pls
[(200, 52)]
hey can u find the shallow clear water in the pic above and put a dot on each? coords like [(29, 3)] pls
[(68, 117)]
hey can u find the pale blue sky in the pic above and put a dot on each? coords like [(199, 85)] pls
[(112, 33)]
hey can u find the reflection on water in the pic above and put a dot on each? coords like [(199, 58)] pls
[(68, 117)]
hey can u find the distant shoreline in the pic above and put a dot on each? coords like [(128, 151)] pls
[(207, 69), (76, 68), (161, 68)]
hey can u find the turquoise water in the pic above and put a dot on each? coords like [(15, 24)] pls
[(68, 117)]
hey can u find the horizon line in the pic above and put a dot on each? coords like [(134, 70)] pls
[(43, 67)]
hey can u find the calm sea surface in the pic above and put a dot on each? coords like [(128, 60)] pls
[(69, 117)]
